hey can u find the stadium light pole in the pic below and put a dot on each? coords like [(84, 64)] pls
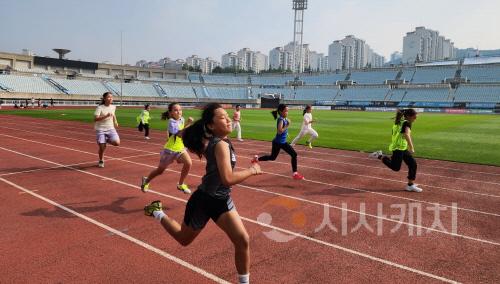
[(298, 31)]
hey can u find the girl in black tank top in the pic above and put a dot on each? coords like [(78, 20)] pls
[(212, 200)]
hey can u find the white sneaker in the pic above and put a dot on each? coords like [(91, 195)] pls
[(100, 164), (414, 188), (376, 154), (147, 138), (239, 139)]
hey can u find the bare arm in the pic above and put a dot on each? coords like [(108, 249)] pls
[(115, 121), (101, 117), (227, 175), (188, 123), (282, 128), (407, 136)]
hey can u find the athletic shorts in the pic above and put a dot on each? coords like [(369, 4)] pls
[(167, 157), (104, 136), (201, 207)]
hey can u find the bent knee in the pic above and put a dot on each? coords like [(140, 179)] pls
[(242, 241)]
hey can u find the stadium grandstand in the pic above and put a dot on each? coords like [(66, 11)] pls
[(472, 83)]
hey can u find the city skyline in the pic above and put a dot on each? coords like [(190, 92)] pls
[(179, 29)]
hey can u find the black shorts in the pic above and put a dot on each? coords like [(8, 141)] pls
[(201, 207)]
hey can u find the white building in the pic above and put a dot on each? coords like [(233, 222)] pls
[(300, 66), (283, 57), (352, 53), (175, 64), (426, 45), (318, 62), (229, 60), (206, 65), (245, 59), (193, 61), (280, 59)]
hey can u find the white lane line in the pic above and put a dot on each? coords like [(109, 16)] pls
[(121, 234), (380, 178), (71, 165), (256, 143), (381, 168), (378, 193), (284, 176), (373, 258), (292, 197), (322, 153), (318, 168)]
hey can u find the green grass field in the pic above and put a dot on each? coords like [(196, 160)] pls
[(464, 138)]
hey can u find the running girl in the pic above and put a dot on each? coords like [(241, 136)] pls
[(212, 199), (306, 128), (173, 150), (402, 147), (144, 120), (105, 124), (236, 122), (279, 141)]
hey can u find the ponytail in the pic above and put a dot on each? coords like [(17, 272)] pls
[(195, 135), (280, 108), (275, 114), (399, 115), (406, 113), (308, 107), (166, 114)]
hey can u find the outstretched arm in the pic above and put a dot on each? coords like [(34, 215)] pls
[(227, 175)]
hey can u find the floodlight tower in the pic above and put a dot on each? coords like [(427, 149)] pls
[(298, 31)]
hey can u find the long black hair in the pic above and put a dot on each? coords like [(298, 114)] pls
[(406, 113), (280, 108), (308, 107), (166, 115), (195, 135), (104, 96)]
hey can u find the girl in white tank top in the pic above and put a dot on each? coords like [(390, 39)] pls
[(306, 128)]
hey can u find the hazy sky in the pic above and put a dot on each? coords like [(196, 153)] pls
[(153, 29)]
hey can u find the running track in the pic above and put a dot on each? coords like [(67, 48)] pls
[(65, 220)]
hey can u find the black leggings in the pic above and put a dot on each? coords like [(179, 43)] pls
[(146, 129), (397, 158), (276, 150)]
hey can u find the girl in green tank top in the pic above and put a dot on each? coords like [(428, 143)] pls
[(173, 150), (402, 147)]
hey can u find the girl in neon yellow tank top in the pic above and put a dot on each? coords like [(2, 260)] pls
[(402, 147), (173, 150)]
